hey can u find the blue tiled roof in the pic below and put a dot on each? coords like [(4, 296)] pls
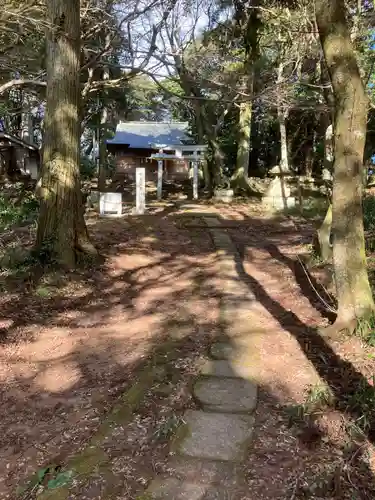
[(143, 134)]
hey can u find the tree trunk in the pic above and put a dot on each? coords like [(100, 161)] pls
[(354, 295), (249, 22), (240, 175), (214, 170), (102, 175), (309, 159), (205, 166), (324, 237), (329, 149), (62, 230), (207, 176), (283, 140), (282, 114), (218, 160)]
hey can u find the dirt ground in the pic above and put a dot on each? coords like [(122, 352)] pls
[(72, 345)]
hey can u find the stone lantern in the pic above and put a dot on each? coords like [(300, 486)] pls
[(278, 194)]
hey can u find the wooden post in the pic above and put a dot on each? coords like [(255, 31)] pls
[(160, 179), (140, 186), (195, 176)]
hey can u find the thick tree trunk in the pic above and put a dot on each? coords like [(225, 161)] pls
[(249, 22), (218, 160), (61, 226), (206, 176), (354, 295), (243, 153), (206, 129), (201, 140), (240, 175)]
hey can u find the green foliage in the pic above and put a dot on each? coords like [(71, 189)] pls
[(365, 329), (318, 397), (168, 426), (362, 402), (50, 478), (88, 168), (312, 209), (148, 101), (12, 213), (43, 292), (369, 213), (61, 479)]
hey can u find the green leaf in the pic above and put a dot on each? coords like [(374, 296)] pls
[(42, 473), (61, 479)]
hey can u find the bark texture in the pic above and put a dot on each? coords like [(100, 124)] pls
[(102, 175), (354, 295), (240, 175), (103, 154), (324, 236), (249, 24), (282, 114), (61, 225)]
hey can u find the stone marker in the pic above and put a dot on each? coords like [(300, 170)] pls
[(226, 394), (140, 186), (110, 204), (160, 180), (216, 436), (195, 179), (278, 194)]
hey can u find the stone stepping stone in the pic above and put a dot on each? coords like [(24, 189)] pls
[(212, 472), (221, 350), (226, 368), (174, 489), (216, 436), (229, 395)]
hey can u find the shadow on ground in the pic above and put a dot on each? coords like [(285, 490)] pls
[(157, 294)]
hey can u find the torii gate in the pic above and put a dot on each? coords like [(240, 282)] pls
[(192, 153)]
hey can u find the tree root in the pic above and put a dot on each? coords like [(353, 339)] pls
[(361, 326), (241, 184), (340, 327)]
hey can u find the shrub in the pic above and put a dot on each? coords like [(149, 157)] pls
[(12, 213), (369, 213), (88, 168)]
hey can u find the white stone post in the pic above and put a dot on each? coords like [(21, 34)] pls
[(195, 176), (160, 179), (140, 187)]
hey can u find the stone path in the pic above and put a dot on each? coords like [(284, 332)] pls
[(206, 464)]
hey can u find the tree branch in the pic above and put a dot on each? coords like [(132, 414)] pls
[(21, 83)]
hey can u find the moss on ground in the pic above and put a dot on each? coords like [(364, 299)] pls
[(180, 435), (93, 457)]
